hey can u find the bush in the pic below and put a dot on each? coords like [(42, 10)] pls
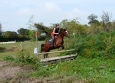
[(26, 57), (10, 58), (95, 45)]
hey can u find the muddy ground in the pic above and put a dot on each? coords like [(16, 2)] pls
[(13, 73)]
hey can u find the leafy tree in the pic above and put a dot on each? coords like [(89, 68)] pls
[(94, 22), (70, 25), (106, 17), (27, 32), (10, 34), (93, 19), (0, 29), (73, 26), (43, 29), (23, 34), (22, 31)]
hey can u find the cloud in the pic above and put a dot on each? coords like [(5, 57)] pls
[(18, 12), (52, 13)]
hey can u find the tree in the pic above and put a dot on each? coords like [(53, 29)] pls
[(22, 31), (73, 26), (0, 29), (10, 34), (93, 19), (43, 29), (106, 17)]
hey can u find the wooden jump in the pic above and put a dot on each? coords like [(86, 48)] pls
[(58, 59), (56, 52)]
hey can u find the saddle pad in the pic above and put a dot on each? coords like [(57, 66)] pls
[(50, 41)]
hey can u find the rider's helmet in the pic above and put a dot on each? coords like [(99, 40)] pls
[(57, 24)]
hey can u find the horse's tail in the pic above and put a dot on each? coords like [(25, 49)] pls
[(42, 47)]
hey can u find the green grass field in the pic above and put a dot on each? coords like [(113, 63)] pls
[(26, 46)]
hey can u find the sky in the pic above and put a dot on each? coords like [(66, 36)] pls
[(15, 14)]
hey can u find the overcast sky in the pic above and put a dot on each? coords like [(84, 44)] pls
[(15, 14)]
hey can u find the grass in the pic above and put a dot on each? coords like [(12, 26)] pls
[(96, 70), (27, 46), (95, 63)]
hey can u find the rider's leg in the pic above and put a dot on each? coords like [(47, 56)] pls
[(53, 40)]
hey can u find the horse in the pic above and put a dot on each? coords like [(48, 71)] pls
[(58, 42)]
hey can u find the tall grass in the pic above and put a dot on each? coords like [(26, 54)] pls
[(94, 64), (87, 70), (24, 56), (96, 45)]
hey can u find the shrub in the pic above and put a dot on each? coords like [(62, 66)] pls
[(95, 45), (10, 58), (26, 57)]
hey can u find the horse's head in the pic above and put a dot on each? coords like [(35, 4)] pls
[(64, 32)]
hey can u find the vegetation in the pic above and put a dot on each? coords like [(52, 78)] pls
[(95, 45)]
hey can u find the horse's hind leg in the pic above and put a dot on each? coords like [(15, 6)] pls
[(42, 47), (46, 49), (45, 56)]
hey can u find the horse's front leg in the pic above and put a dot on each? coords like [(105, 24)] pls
[(46, 54), (61, 46)]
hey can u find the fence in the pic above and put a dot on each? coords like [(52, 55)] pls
[(9, 42)]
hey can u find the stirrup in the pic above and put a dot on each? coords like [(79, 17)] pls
[(51, 39)]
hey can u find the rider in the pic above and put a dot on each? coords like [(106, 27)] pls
[(54, 32)]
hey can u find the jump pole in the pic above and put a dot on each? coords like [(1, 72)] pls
[(56, 52)]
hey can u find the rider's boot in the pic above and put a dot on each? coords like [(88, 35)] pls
[(53, 41)]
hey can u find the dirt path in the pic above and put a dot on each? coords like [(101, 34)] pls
[(12, 73), (7, 71)]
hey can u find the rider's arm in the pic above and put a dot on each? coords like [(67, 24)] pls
[(54, 31)]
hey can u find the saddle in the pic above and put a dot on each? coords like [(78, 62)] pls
[(51, 40)]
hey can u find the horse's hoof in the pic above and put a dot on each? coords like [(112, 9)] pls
[(60, 49)]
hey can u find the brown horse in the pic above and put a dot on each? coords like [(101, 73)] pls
[(58, 43)]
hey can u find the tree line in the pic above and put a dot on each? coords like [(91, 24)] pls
[(14, 36), (73, 26)]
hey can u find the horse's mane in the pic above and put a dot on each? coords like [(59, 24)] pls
[(61, 29)]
